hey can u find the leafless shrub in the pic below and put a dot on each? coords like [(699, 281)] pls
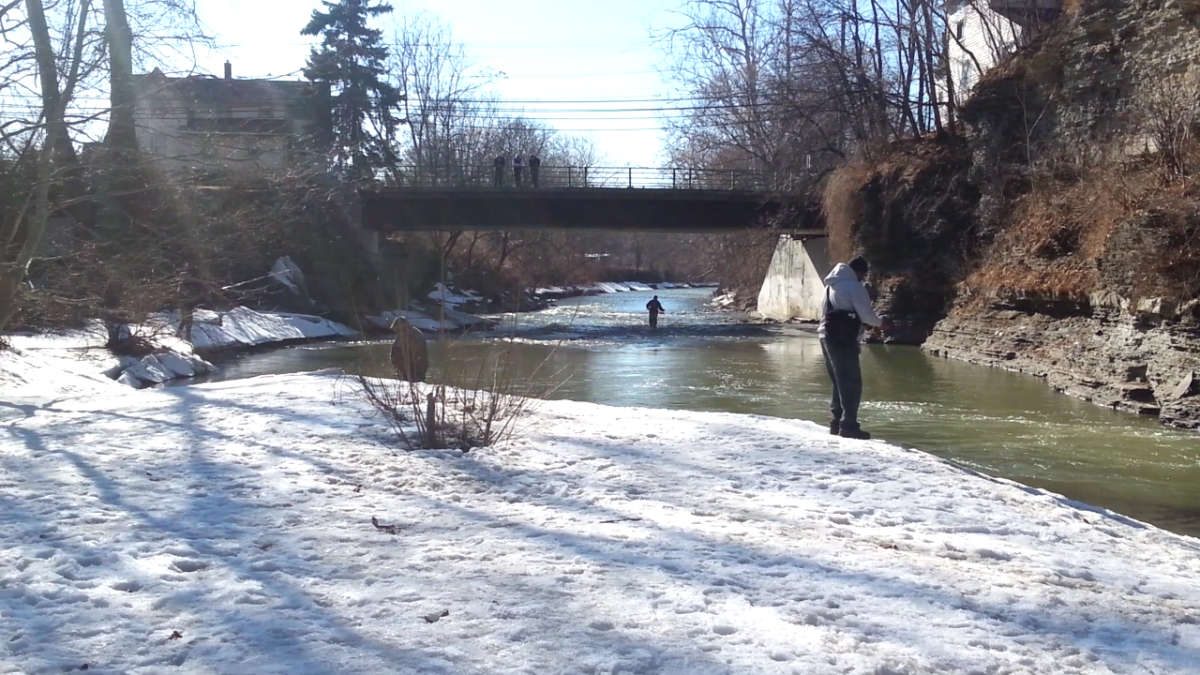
[(485, 410), (1170, 111)]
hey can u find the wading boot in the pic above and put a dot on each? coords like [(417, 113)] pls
[(835, 428), (855, 433)]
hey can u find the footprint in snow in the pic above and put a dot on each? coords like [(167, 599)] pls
[(185, 565)]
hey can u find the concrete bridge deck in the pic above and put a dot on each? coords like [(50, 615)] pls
[(636, 200), (631, 209)]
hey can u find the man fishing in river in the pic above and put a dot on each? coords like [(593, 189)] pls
[(846, 309), (655, 308)]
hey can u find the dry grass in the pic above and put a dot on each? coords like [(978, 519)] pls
[(1053, 242), (842, 205), (882, 206)]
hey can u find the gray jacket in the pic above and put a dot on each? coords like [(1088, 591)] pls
[(846, 292)]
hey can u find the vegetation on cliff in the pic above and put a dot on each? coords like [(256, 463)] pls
[(1075, 176), (1073, 194)]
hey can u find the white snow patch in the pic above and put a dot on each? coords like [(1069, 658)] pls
[(723, 300), (227, 528), (245, 327), (447, 297), (610, 287), (173, 358), (417, 319), (288, 273)]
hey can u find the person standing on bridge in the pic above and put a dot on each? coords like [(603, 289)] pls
[(847, 307), (518, 168), (534, 165), (655, 308), (498, 176)]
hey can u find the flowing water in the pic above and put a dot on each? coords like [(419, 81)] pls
[(599, 349)]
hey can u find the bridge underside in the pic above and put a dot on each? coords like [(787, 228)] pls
[(613, 209)]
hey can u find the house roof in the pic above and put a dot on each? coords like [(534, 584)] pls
[(208, 90)]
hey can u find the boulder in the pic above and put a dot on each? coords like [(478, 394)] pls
[(1183, 413)]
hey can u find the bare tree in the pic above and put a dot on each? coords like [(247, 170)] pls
[(64, 56), (22, 228), (793, 85), (437, 76), (122, 134), (722, 60)]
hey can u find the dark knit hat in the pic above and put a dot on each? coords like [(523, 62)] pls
[(859, 264)]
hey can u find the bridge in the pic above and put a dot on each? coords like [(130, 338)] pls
[(580, 198)]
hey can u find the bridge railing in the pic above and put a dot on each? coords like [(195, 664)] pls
[(549, 176)]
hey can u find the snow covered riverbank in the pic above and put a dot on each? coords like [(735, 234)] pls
[(227, 528), (83, 352)]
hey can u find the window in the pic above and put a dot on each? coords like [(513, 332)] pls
[(958, 30)]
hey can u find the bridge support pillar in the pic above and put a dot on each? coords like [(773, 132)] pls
[(794, 287)]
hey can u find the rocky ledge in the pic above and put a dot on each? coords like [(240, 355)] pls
[(1144, 361)]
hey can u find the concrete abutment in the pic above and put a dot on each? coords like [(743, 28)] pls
[(794, 287)]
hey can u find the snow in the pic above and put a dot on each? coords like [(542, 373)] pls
[(242, 327), (238, 327), (226, 528), (173, 358), (40, 373), (609, 287), (448, 320), (286, 272), (417, 319), (449, 298), (724, 300)]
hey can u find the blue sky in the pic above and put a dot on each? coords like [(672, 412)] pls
[(550, 52)]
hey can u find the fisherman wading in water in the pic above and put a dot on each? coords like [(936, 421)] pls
[(655, 308)]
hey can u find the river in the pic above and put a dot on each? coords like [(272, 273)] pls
[(599, 349)]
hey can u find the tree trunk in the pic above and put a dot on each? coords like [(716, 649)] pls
[(21, 237), (503, 253), (52, 99), (122, 132)]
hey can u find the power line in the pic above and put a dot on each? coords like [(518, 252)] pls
[(555, 44), (572, 76), (505, 105)]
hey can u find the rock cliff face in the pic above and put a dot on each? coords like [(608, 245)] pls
[(1077, 259), (1102, 355), (1091, 265)]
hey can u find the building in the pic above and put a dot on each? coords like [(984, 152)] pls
[(981, 33), (208, 124)]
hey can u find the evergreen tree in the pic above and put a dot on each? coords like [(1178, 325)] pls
[(351, 62)]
